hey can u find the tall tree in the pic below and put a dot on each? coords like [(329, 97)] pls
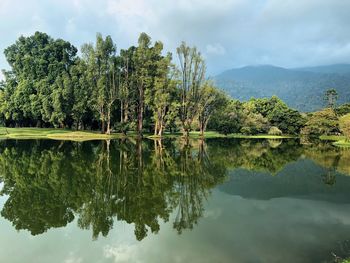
[(81, 93), (101, 76), (192, 70), (210, 100), (163, 93), (127, 75), (331, 97), (37, 64), (143, 77)]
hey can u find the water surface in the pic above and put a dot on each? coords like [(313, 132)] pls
[(173, 201)]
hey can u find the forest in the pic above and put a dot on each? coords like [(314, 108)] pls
[(141, 89)]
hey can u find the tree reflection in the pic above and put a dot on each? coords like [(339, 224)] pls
[(141, 182)]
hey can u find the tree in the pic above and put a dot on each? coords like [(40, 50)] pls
[(127, 77), (210, 100), (331, 97), (254, 123), (32, 89), (192, 70), (163, 94), (278, 114), (81, 93), (344, 124), (322, 122), (343, 109), (143, 77), (227, 118), (101, 74)]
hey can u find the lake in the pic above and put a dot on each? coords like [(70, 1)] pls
[(222, 200)]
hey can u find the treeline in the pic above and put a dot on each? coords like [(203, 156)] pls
[(272, 116), (136, 89)]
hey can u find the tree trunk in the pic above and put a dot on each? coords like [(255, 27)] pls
[(126, 108), (201, 131), (103, 126), (121, 111), (108, 121), (201, 128), (140, 114), (156, 128), (160, 133)]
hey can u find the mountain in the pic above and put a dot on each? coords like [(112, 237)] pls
[(289, 182), (300, 88), (336, 68)]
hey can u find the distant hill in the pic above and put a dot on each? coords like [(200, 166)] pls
[(289, 182), (300, 88)]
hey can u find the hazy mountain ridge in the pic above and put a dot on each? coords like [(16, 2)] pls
[(300, 88)]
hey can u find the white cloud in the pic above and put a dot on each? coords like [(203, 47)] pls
[(215, 49), (122, 253), (73, 259), (230, 33)]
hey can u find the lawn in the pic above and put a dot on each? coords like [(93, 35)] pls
[(50, 133)]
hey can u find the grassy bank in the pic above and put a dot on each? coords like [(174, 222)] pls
[(58, 134), (64, 134), (261, 136)]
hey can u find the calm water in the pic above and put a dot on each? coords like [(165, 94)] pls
[(171, 201)]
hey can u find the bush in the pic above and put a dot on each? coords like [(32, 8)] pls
[(274, 131)]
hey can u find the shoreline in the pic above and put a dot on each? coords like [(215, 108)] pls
[(72, 135)]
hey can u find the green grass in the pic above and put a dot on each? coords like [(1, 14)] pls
[(332, 137), (261, 136), (49, 133), (214, 134), (193, 134), (65, 134)]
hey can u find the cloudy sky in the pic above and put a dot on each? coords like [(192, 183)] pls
[(230, 33)]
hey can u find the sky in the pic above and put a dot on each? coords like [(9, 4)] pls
[(229, 33)]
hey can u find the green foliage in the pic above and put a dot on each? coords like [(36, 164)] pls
[(274, 131), (257, 116), (35, 89), (324, 122), (343, 109), (192, 73), (254, 123), (344, 125), (227, 119), (211, 101)]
